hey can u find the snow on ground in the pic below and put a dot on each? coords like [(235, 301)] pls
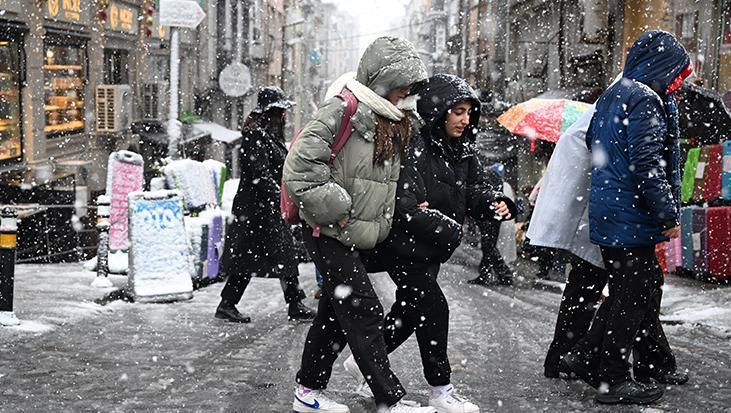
[(50, 296), (131, 356), (693, 302)]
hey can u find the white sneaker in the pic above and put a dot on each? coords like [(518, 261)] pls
[(407, 406), (362, 389), (450, 402), (315, 401)]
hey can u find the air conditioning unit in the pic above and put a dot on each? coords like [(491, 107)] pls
[(153, 99), (113, 108)]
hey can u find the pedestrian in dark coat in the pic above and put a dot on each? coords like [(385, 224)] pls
[(493, 269), (258, 242), (441, 182), (634, 203)]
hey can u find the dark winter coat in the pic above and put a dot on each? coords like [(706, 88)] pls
[(445, 173), (635, 183), (258, 241)]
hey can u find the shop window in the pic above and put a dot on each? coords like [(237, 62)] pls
[(64, 82), (116, 67), (10, 139)]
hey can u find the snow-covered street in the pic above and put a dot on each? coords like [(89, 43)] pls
[(70, 354)]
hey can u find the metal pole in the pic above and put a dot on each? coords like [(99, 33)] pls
[(8, 243), (103, 224), (173, 128), (284, 57)]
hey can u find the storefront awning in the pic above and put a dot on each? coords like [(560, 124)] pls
[(218, 132)]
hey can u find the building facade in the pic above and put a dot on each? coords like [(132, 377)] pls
[(512, 51)]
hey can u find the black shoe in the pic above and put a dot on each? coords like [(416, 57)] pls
[(229, 312), (629, 392), (559, 371), (581, 367), (299, 311), (675, 377)]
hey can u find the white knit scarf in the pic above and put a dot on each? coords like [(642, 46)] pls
[(364, 94)]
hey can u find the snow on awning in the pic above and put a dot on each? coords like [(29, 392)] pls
[(218, 132)]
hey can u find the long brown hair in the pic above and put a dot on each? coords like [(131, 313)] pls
[(391, 138)]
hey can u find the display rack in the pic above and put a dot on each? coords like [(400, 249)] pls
[(64, 93)]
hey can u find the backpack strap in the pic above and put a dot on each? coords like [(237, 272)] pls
[(346, 128)]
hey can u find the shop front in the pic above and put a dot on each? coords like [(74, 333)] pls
[(44, 102), (12, 72)]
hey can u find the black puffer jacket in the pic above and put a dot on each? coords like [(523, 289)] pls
[(445, 173)]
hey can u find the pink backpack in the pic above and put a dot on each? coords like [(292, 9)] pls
[(290, 210)]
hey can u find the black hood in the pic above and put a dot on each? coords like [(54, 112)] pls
[(439, 94)]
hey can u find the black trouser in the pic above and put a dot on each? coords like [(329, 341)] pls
[(492, 261), (420, 307), (237, 282), (631, 312), (581, 294), (349, 312)]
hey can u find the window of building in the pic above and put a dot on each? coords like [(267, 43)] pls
[(64, 72), (116, 67), (10, 139), (688, 27)]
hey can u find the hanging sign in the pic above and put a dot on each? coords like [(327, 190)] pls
[(235, 80)]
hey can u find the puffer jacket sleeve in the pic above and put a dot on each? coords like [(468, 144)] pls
[(307, 176), (646, 131), (425, 224), (481, 193)]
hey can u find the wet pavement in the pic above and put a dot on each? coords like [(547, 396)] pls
[(75, 355)]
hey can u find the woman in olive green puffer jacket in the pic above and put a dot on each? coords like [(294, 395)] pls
[(351, 206)]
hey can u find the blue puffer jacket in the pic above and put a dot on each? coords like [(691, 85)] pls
[(635, 183)]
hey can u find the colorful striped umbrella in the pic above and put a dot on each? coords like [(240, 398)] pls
[(542, 119)]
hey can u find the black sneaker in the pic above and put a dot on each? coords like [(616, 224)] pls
[(629, 392), (675, 377), (581, 367), (299, 311), (229, 312)]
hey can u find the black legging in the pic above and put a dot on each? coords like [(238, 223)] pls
[(237, 282), (628, 320), (420, 307), (349, 312), (581, 294), (492, 261)]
